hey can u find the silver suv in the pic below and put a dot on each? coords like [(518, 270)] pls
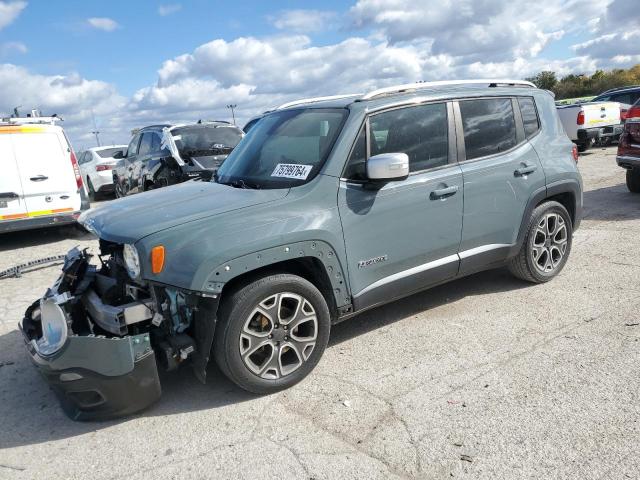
[(325, 209)]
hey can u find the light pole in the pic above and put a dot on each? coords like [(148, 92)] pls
[(232, 106), (95, 129)]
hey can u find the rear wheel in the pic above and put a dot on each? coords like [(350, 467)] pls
[(92, 191), (271, 333), (582, 147), (546, 246), (633, 180)]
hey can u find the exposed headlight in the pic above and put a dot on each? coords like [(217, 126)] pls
[(54, 327), (131, 261)]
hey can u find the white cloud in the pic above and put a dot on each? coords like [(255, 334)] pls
[(398, 41), (164, 10), (9, 48), (103, 23), (70, 96), (303, 21), (475, 30), (9, 11)]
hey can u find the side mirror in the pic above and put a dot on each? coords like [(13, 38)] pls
[(119, 155), (388, 166)]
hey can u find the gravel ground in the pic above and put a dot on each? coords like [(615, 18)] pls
[(485, 377)]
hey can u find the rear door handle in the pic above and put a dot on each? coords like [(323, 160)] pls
[(443, 193), (39, 178), (522, 171)]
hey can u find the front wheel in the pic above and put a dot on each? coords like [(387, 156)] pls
[(546, 246), (633, 180), (271, 333)]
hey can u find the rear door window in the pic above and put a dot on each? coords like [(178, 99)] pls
[(529, 116), (489, 126)]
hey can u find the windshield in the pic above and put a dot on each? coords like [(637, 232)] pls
[(204, 138), (110, 152), (284, 149)]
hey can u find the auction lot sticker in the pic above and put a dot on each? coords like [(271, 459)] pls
[(292, 170)]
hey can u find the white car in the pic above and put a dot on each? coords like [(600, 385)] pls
[(96, 164), (40, 181)]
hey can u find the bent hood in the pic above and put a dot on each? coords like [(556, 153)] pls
[(129, 219)]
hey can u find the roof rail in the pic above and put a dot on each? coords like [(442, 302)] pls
[(22, 120), (620, 88), (314, 100), (426, 85)]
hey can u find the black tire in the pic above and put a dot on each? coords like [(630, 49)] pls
[(235, 316), (91, 190), (633, 180), (528, 268), (582, 147)]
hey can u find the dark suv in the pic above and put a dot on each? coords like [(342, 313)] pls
[(162, 155)]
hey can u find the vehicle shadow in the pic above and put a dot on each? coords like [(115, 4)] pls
[(31, 413), (614, 203)]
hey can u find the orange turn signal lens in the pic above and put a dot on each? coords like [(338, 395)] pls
[(157, 259)]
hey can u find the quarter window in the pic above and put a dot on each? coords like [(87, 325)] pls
[(489, 126), (529, 116)]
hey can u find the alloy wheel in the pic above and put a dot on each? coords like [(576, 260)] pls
[(279, 335), (549, 243)]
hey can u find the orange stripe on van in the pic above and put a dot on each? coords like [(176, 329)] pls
[(21, 129), (16, 216)]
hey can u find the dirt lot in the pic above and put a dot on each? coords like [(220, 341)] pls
[(486, 377)]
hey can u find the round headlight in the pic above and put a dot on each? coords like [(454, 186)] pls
[(131, 261), (54, 328)]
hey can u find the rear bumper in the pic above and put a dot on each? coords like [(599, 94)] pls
[(628, 162), (38, 222), (103, 181), (585, 134)]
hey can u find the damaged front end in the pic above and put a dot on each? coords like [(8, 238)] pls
[(98, 336)]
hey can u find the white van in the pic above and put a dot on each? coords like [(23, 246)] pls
[(40, 181)]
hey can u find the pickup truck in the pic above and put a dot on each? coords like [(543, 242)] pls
[(586, 122)]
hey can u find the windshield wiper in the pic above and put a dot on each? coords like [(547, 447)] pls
[(242, 184)]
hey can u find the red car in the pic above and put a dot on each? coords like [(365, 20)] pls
[(628, 156)]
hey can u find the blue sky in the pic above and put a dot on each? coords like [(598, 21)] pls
[(131, 63)]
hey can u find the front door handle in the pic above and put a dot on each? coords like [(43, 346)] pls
[(522, 171), (442, 193), (39, 178)]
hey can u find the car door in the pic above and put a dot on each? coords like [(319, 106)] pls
[(402, 236), (142, 159), (47, 174), (129, 163), (12, 203), (501, 172)]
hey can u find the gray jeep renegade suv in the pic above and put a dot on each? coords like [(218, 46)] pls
[(323, 210)]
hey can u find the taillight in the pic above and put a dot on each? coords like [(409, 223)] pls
[(580, 117), (76, 169), (574, 153), (103, 168), (634, 112), (623, 114)]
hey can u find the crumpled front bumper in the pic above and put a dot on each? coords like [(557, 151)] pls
[(97, 378)]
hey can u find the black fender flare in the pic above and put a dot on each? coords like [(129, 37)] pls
[(315, 249), (571, 186)]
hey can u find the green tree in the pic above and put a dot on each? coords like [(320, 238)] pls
[(546, 80)]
